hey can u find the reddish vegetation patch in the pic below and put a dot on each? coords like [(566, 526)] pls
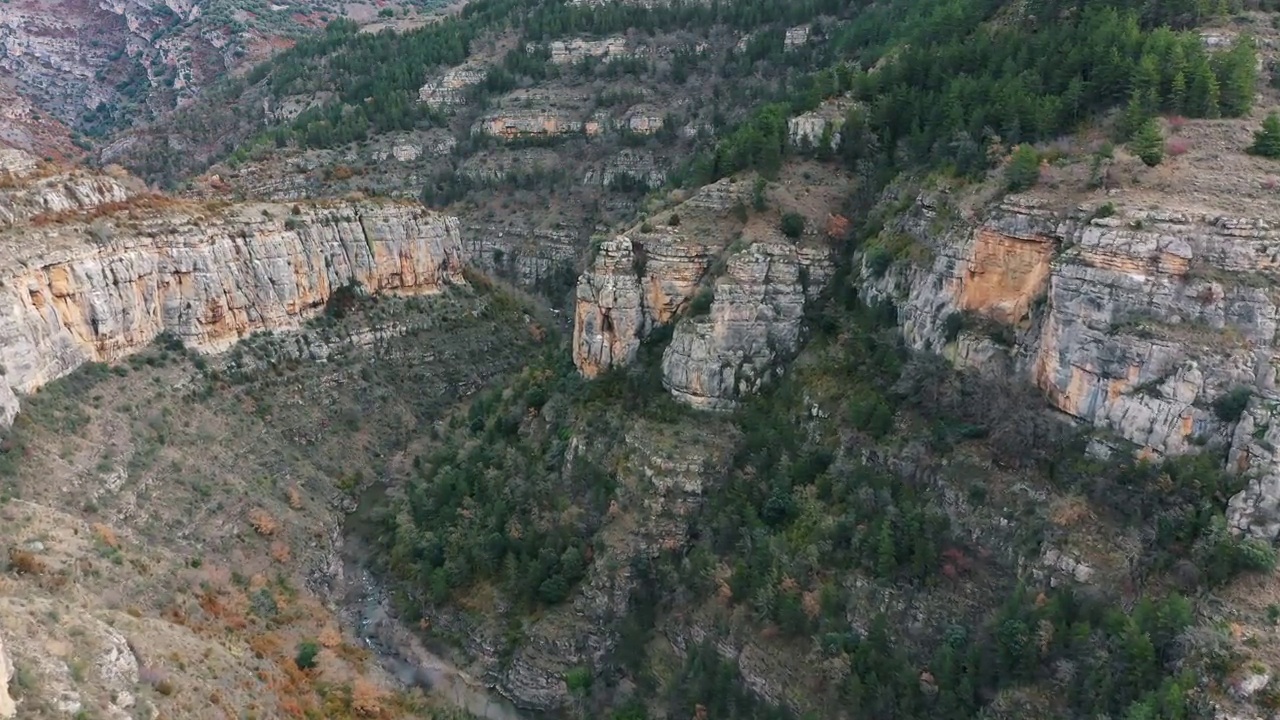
[(837, 226), (283, 43)]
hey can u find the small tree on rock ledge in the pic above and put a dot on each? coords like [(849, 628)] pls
[(1266, 142)]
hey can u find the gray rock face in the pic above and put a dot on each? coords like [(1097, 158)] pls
[(8, 708), (1136, 323), (754, 322), (641, 280), (76, 291)]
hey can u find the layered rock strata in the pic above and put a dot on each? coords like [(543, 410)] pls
[(75, 289), (754, 323), (1140, 323)]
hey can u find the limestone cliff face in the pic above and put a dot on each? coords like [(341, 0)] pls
[(78, 291), (754, 322), (632, 287), (1136, 322), (757, 280), (8, 708)]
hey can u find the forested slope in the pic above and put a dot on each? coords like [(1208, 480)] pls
[(874, 533)]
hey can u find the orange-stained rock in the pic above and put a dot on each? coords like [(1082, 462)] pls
[(1005, 274), (100, 286)]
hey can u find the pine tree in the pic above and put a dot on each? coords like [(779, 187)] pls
[(1177, 93), (1135, 115), (1202, 90), (1266, 142), (1148, 144), (1238, 73), (1024, 169)]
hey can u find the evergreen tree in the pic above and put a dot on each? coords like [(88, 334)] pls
[(1238, 73), (1148, 144), (1024, 169), (1202, 90), (1266, 142)]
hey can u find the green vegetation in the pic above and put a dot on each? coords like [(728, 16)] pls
[(1023, 171), (792, 225), (1021, 82), (306, 657), (1266, 141), (1148, 144)]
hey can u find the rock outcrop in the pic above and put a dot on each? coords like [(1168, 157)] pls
[(28, 189), (754, 323), (571, 51), (77, 290), (735, 293), (822, 124), (8, 708), (632, 287), (1137, 322), (450, 89)]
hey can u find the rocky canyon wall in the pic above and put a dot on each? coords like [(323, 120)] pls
[(98, 285), (733, 291), (1142, 323)]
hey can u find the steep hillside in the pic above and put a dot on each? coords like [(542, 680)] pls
[(917, 365), (172, 524), (99, 69)]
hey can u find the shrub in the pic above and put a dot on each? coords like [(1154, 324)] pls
[(1105, 210), (1177, 147), (878, 261), (22, 562), (952, 326), (701, 303), (578, 680), (1266, 142), (1230, 406), (674, 220), (306, 657), (263, 522), (1023, 171), (793, 225)]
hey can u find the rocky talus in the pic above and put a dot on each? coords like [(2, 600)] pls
[(78, 288), (1144, 323)]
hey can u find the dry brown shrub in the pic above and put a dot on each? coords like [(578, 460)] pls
[(106, 535), (789, 585), (811, 602), (330, 637), (280, 552), (295, 497), (263, 522), (23, 562), (1069, 511), (366, 698), (264, 646)]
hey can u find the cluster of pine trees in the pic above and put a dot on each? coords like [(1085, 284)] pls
[(945, 103)]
